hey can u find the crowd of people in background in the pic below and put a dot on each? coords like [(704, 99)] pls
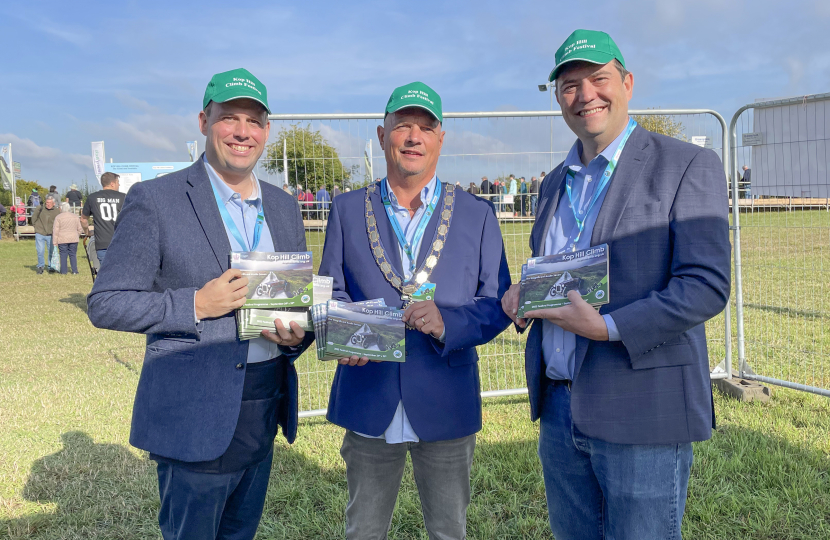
[(313, 204), (513, 195), (58, 225), (516, 196), (59, 222)]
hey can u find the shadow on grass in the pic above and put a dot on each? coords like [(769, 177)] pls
[(737, 491), (811, 315), (98, 491), (75, 299)]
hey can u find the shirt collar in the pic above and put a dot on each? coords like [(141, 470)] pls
[(226, 193), (574, 162), (426, 193)]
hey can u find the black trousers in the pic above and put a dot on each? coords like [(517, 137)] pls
[(223, 498)]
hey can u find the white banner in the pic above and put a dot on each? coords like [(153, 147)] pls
[(98, 159), (5, 166), (367, 157), (285, 158), (192, 149)]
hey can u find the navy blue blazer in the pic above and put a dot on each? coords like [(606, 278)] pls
[(438, 383), (665, 220), (169, 242)]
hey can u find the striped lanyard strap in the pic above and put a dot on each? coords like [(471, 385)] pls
[(582, 217), (231, 225), (419, 230)]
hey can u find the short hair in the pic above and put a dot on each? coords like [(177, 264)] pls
[(109, 178), (65, 207), (53, 188), (52, 196)]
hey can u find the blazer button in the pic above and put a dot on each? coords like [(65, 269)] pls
[(240, 366)]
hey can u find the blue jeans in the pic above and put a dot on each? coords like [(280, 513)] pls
[(533, 200), (100, 254), (69, 251), (41, 241), (197, 505), (598, 490)]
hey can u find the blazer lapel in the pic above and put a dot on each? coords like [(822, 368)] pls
[(387, 235), (201, 197), (632, 161), (547, 208)]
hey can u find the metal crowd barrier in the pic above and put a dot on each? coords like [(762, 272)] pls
[(492, 144), (782, 242)]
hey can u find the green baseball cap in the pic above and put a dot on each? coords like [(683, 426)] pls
[(586, 46), (415, 94), (235, 84)]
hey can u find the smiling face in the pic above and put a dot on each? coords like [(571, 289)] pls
[(236, 134), (594, 101), (411, 140)]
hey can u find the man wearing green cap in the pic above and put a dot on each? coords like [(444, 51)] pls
[(624, 391), (418, 232), (208, 405)]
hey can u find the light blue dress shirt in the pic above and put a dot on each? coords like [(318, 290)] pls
[(400, 430), (559, 346), (244, 214)]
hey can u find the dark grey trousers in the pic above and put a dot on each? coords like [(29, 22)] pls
[(374, 470)]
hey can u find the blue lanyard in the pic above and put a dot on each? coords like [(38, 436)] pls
[(606, 177), (422, 225), (229, 223)]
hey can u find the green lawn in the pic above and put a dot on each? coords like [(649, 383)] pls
[(66, 390)]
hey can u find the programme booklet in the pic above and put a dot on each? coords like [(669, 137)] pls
[(546, 281), (276, 279), (377, 333), (251, 322), (319, 313)]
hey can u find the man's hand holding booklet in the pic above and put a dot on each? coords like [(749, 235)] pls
[(567, 289)]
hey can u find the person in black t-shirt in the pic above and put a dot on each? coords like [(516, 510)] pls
[(104, 207), (74, 197)]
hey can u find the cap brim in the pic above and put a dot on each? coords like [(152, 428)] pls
[(220, 99), (555, 71), (411, 105)]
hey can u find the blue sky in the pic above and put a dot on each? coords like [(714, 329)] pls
[(133, 73)]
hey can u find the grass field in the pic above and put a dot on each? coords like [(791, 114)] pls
[(66, 391)]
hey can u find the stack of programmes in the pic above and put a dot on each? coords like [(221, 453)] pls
[(546, 281), (278, 280), (369, 329)]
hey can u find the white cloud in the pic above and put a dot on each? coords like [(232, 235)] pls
[(45, 157), (145, 137), (74, 37)]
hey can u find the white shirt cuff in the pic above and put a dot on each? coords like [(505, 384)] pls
[(613, 333)]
